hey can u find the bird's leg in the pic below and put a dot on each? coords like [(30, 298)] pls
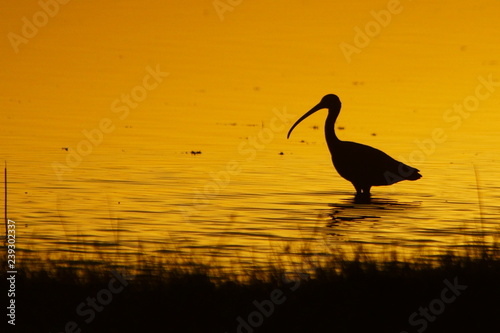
[(358, 189), (362, 194), (366, 190)]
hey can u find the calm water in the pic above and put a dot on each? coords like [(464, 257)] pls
[(251, 196), (267, 205)]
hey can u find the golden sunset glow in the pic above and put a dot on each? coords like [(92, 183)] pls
[(163, 123)]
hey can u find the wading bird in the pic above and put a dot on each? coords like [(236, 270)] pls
[(362, 165)]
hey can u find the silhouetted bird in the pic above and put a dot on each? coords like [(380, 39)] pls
[(362, 165)]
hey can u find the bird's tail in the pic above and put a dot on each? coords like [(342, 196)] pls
[(403, 172), (414, 175)]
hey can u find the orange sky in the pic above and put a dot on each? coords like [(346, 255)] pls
[(259, 56)]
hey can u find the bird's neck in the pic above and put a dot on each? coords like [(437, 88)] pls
[(331, 137)]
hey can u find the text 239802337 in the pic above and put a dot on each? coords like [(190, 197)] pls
[(11, 271)]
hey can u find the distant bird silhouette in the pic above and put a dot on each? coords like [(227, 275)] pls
[(362, 165)]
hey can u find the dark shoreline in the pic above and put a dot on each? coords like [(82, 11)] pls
[(454, 294)]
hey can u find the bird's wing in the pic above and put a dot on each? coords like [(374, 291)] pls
[(373, 165)]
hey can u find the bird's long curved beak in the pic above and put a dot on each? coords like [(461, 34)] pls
[(310, 112)]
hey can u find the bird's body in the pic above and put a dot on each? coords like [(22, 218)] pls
[(362, 165)]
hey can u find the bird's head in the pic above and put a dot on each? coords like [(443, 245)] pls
[(330, 102)]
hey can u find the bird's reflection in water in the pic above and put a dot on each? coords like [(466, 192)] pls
[(363, 208), (353, 221)]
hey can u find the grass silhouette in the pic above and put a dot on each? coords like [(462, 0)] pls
[(333, 294)]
